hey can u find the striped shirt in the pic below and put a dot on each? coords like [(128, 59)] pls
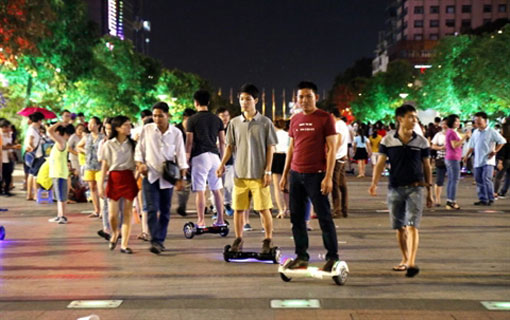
[(405, 159)]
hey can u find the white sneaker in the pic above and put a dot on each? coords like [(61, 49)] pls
[(62, 220), (55, 219)]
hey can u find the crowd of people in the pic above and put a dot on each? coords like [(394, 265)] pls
[(130, 172)]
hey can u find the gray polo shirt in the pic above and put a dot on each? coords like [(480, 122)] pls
[(250, 140)]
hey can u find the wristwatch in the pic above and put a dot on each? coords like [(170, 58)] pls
[(268, 172)]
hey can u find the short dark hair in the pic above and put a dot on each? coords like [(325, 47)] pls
[(249, 89), (221, 110), (36, 116), (145, 113), (404, 109), (4, 123), (202, 97), (307, 85), (62, 130), (161, 106), (437, 119), (336, 112), (80, 114), (481, 114), (64, 111), (450, 120), (188, 112)]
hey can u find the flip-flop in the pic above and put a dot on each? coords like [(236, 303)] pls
[(400, 267)]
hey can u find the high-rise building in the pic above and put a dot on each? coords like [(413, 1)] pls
[(123, 19), (413, 27)]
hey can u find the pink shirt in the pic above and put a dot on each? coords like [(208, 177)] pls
[(451, 152)]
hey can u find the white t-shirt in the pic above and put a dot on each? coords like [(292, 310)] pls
[(6, 139), (283, 141), (341, 127), (32, 132), (72, 143)]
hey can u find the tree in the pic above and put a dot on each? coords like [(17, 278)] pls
[(381, 93), (23, 23)]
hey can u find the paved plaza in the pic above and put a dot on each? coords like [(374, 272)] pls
[(464, 259)]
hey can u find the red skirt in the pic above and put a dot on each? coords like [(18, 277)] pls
[(121, 184)]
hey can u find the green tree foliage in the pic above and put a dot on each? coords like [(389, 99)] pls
[(72, 67), (176, 88), (381, 93), (470, 73)]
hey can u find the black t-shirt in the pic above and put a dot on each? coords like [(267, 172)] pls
[(205, 127)]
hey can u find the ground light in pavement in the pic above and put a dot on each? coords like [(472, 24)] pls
[(496, 305), (94, 304), (295, 304)]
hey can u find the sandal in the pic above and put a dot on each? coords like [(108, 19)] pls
[(94, 215), (143, 236), (400, 267)]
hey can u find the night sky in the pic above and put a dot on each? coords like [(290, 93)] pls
[(271, 43)]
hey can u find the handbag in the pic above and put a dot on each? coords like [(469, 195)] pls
[(171, 172)]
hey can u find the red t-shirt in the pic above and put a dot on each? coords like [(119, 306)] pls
[(309, 133)]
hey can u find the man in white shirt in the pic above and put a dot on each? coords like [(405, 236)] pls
[(33, 143), (339, 181), (159, 142)]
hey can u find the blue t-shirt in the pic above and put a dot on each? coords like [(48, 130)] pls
[(359, 143)]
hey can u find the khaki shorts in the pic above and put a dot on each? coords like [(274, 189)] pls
[(241, 195), (92, 175)]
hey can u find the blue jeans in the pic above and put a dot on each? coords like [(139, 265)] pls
[(157, 199), (499, 177), (303, 186), (453, 169), (484, 186)]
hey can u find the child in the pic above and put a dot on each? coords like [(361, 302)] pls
[(59, 171)]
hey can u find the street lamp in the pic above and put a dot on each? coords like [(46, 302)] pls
[(403, 95)]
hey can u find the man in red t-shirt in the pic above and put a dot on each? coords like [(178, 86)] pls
[(311, 161)]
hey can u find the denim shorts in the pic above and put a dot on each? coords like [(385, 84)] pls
[(60, 189), (406, 206)]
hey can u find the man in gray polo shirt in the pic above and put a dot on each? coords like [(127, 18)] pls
[(252, 137)]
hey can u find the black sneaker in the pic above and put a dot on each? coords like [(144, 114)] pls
[(329, 265), (298, 264), (481, 203), (155, 248), (104, 235), (237, 246), (181, 211), (266, 246)]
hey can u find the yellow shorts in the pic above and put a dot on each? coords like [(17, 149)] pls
[(241, 195), (92, 175)]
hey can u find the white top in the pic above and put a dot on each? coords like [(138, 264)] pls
[(32, 132), (72, 143), (341, 127), (439, 138), (119, 156), (283, 141), (154, 148), (351, 133), (6, 139)]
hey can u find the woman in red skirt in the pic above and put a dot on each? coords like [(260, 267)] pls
[(118, 161)]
